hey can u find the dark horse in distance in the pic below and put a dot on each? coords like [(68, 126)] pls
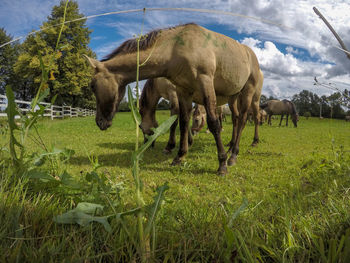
[(284, 107)]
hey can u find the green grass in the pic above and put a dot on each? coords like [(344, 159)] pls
[(296, 181)]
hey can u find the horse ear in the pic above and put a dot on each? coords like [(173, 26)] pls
[(93, 62)]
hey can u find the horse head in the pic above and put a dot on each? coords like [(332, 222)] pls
[(295, 119), (107, 91), (198, 119)]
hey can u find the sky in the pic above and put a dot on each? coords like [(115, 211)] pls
[(292, 44)]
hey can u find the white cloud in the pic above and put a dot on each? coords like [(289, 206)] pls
[(284, 71)]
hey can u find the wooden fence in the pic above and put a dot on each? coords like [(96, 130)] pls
[(52, 111)]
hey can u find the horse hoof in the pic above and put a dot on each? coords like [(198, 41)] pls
[(222, 171), (166, 151), (255, 143), (176, 161), (232, 161)]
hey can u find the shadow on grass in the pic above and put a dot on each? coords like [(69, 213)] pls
[(180, 169), (115, 159), (113, 145), (264, 154)]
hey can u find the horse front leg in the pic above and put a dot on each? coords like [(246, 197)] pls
[(281, 119), (269, 121), (172, 135), (287, 120), (185, 107)]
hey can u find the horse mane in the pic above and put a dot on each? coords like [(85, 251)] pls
[(130, 46)]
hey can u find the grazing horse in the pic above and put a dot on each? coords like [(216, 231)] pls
[(199, 117), (207, 68), (152, 91), (262, 116), (284, 107)]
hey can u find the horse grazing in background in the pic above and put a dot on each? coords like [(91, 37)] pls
[(284, 107), (199, 117), (206, 67), (152, 92), (262, 116)]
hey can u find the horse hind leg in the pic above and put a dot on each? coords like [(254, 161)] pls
[(281, 119), (233, 101), (208, 92), (245, 101), (256, 116)]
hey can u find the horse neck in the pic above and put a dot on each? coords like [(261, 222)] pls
[(125, 65)]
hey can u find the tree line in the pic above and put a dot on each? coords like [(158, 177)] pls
[(21, 68)]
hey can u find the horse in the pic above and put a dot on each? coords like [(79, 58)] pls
[(206, 67), (284, 107), (199, 118), (152, 91), (262, 116)]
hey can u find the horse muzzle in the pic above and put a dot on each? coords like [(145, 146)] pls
[(103, 124)]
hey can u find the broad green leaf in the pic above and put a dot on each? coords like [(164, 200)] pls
[(11, 112), (42, 96), (81, 215), (237, 212), (163, 128), (154, 208), (89, 208), (41, 175), (135, 113), (68, 180)]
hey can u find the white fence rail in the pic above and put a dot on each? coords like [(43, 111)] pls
[(52, 111)]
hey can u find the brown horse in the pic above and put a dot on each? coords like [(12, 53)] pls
[(262, 116), (284, 107), (153, 90), (206, 67), (199, 117)]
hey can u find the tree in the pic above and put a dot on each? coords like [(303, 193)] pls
[(8, 57), (69, 73), (307, 101), (263, 99)]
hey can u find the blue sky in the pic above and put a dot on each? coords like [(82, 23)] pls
[(290, 54)]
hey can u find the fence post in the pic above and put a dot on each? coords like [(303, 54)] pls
[(51, 112)]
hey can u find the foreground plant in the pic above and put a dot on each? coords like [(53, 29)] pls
[(84, 213)]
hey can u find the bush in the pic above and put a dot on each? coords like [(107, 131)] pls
[(307, 114)]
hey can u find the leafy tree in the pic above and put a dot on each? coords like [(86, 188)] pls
[(263, 99), (8, 57), (307, 101), (69, 72), (330, 106)]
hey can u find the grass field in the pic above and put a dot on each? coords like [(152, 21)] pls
[(286, 200)]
